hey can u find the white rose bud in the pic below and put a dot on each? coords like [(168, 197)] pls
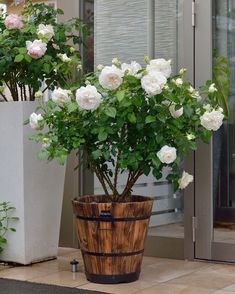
[(166, 102), (72, 49), (36, 49), (220, 109), (60, 96), (116, 61), (167, 154), (79, 67), (182, 71), (196, 95), (161, 65), (46, 143), (131, 69), (185, 180), (34, 120), (38, 95), (146, 59), (212, 88), (176, 113), (178, 82), (191, 89), (88, 97), (153, 83), (212, 120), (111, 77), (190, 137), (100, 67), (64, 57), (207, 107), (45, 31)]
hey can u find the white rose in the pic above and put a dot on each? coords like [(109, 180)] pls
[(111, 77), (88, 97), (161, 65), (176, 113), (36, 49), (185, 180), (212, 120), (34, 120), (212, 88), (167, 154), (131, 69), (45, 31), (153, 83), (60, 96), (178, 82), (64, 57)]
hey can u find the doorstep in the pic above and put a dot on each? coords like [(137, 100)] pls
[(158, 275)]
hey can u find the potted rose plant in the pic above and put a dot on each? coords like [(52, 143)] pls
[(125, 118), (37, 54)]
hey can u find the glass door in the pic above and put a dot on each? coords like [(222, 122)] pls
[(215, 206), (162, 29)]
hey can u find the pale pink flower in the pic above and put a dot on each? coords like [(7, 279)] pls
[(36, 49), (13, 21)]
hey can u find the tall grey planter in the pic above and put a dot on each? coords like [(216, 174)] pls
[(35, 188)]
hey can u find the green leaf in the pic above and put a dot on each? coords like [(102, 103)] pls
[(102, 136), (111, 112), (150, 119), (28, 58), (22, 50), (42, 154), (19, 58), (72, 106), (46, 68), (96, 154), (131, 117), (120, 95), (3, 240), (61, 159)]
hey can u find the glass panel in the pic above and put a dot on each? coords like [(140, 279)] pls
[(224, 139), (130, 40)]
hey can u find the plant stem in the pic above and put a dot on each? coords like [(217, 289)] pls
[(3, 96), (132, 180), (122, 136)]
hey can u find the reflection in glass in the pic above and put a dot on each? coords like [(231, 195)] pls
[(224, 139)]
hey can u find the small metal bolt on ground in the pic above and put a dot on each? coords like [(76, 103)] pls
[(74, 266)]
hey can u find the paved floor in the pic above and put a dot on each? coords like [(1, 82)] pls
[(158, 276)]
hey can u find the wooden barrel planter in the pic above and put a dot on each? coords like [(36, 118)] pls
[(112, 237)]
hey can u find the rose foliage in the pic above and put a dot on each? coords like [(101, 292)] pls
[(125, 117), (37, 52)]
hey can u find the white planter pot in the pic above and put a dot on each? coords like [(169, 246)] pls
[(35, 188)]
